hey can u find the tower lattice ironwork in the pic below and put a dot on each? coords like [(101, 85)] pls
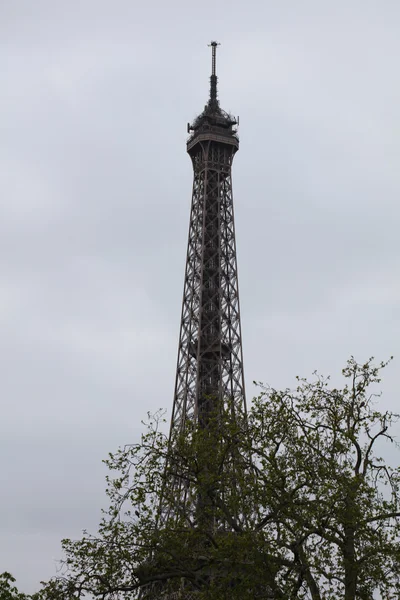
[(210, 360), (209, 373)]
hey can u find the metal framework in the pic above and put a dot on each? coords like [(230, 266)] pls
[(210, 362), (209, 374)]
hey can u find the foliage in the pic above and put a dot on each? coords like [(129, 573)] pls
[(8, 591), (292, 501)]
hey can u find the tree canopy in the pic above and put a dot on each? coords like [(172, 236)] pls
[(294, 500), (9, 591)]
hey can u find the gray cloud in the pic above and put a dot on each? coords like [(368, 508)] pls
[(94, 207)]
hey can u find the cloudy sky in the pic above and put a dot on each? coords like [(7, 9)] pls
[(95, 193)]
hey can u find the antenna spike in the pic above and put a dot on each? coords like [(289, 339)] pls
[(213, 78)]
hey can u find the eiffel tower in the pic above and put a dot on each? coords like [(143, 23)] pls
[(209, 374), (210, 361)]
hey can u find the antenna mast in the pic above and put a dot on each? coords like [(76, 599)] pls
[(213, 78)]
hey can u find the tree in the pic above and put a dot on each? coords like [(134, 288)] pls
[(297, 502), (8, 591)]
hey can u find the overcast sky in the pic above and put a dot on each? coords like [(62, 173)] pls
[(95, 189)]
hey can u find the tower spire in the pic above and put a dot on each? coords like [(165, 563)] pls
[(213, 79)]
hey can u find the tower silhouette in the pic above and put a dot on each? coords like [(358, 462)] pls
[(210, 362)]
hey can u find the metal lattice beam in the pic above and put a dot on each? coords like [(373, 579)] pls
[(210, 362)]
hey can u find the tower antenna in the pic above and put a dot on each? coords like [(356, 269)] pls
[(213, 78)]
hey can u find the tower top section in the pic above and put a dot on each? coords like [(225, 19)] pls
[(213, 124)]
